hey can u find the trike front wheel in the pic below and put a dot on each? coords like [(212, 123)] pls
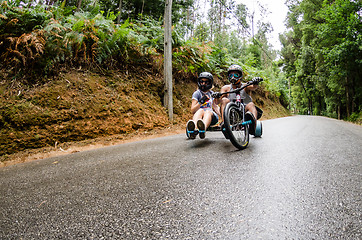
[(233, 119)]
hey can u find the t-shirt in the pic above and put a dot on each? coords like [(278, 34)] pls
[(198, 94)]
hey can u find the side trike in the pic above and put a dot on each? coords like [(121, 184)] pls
[(238, 123)]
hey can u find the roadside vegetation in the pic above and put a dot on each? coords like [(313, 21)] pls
[(322, 57), (75, 70)]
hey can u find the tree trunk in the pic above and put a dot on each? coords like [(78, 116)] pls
[(353, 94), (339, 112), (79, 5), (290, 95), (143, 5), (348, 100), (212, 24), (119, 10), (252, 25), (188, 21), (220, 13), (168, 59)]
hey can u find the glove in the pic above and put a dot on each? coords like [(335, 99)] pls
[(256, 80), (216, 95), (203, 100)]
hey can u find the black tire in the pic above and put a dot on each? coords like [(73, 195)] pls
[(233, 118), (187, 134)]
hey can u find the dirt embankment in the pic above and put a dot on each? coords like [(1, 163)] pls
[(80, 110)]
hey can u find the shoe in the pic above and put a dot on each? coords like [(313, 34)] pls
[(201, 127), (190, 130), (250, 116)]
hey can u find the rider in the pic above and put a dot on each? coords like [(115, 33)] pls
[(203, 106), (235, 76)]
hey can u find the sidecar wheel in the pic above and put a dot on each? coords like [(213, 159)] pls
[(258, 129)]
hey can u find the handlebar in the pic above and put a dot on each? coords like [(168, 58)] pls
[(256, 81)]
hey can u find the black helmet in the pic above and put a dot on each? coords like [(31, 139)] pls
[(209, 77), (235, 79)]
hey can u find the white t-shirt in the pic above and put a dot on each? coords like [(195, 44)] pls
[(198, 94)]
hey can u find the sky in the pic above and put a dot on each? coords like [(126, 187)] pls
[(278, 12)]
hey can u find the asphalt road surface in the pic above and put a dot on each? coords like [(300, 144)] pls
[(301, 180)]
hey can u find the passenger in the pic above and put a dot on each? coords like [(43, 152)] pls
[(203, 106)]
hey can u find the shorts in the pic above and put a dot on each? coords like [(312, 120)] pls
[(214, 119)]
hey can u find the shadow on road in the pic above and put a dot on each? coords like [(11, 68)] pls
[(218, 144), (198, 143)]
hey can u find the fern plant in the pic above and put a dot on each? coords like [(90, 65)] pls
[(94, 38), (15, 21), (55, 48), (116, 45), (23, 51), (22, 40), (149, 34), (192, 57)]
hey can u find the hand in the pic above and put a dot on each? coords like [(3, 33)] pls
[(204, 99), (216, 95), (256, 80)]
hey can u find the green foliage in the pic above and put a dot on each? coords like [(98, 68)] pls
[(82, 38), (116, 46), (202, 32), (149, 34), (191, 57), (356, 117), (195, 57), (21, 38), (87, 32), (15, 21), (322, 55)]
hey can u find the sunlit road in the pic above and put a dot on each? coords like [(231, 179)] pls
[(301, 180)]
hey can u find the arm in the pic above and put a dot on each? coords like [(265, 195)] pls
[(216, 108), (251, 88), (195, 105), (255, 86), (225, 88), (216, 101)]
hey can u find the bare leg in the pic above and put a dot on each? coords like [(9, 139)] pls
[(199, 114), (251, 108), (224, 102), (206, 117)]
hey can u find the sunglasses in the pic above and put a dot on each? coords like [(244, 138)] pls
[(201, 81), (235, 75)]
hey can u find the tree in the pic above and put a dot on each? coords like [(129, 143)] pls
[(322, 54), (202, 32), (119, 12), (341, 51)]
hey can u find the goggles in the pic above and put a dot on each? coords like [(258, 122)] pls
[(234, 75)]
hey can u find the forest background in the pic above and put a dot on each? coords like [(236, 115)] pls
[(51, 52)]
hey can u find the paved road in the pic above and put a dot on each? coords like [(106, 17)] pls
[(301, 180)]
